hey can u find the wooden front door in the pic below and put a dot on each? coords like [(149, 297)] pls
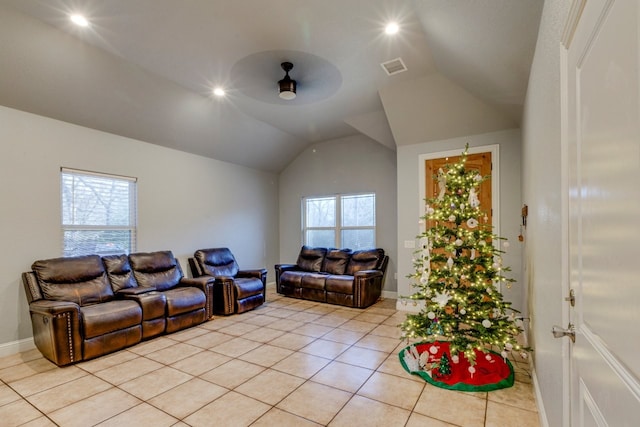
[(480, 162)]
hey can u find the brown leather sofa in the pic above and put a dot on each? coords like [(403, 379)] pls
[(87, 306), (336, 276), (234, 290)]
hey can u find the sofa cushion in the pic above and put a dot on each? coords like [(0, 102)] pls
[(313, 281), (119, 272), (247, 286), (156, 269), (310, 259), (81, 280), (217, 262), (184, 300), (341, 284), (292, 278), (99, 319), (336, 260), (368, 259)]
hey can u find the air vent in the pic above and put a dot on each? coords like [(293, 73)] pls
[(394, 66)]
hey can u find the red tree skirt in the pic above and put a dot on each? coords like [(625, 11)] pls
[(492, 372)]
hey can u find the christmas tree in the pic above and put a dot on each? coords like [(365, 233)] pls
[(458, 271), (443, 367)]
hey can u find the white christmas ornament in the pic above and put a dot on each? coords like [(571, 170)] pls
[(474, 202), (478, 177), (450, 263), (441, 299), (431, 315), (452, 218), (472, 223), (442, 184), (508, 346), (458, 242), (463, 311), (473, 254), (486, 323)]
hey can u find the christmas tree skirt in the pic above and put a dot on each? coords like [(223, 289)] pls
[(433, 362)]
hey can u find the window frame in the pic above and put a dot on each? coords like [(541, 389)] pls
[(132, 227), (338, 228)]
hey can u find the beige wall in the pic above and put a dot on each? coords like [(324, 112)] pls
[(185, 202), (346, 165), (541, 190)]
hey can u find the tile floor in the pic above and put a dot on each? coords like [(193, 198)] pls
[(287, 363)]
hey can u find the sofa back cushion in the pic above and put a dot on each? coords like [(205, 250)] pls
[(368, 259), (336, 260), (217, 262), (119, 272), (81, 280), (156, 269), (311, 259)]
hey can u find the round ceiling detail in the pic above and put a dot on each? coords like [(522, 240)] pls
[(256, 76)]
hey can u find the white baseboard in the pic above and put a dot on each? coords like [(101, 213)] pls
[(13, 347), (412, 306), (542, 415), (389, 295)]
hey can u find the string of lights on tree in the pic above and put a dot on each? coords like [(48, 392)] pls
[(458, 271)]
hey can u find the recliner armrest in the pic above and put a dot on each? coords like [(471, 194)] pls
[(56, 330), (368, 273), (205, 284), (135, 291), (259, 273), (52, 308)]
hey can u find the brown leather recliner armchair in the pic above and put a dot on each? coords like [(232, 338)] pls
[(235, 290)]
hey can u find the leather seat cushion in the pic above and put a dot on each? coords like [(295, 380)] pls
[(339, 284), (313, 281), (99, 319), (184, 300), (247, 286), (292, 278)]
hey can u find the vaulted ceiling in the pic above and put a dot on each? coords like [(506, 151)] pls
[(145, 69)]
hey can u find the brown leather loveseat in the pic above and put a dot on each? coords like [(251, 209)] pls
[(337, 276), (87, 306)]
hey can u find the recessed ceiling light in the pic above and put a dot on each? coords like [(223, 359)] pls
[(391, 28), (79, 20), (218, 91)]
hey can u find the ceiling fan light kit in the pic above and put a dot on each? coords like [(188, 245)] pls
[(287, 85)]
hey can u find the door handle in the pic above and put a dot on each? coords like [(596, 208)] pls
[(559, 332)]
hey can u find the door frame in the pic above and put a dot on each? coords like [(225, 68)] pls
[(494, 149)]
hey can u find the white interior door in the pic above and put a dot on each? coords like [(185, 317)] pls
[(602, 117)]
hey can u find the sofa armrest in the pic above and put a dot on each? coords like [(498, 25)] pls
[(56, 330), (367, 287), (134, 291), (281, 268), (206, 285), (259, 273)]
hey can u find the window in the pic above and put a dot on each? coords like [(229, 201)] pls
[(98, 213), (343, 221)]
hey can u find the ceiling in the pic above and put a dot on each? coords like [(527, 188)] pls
[(145, 69)]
